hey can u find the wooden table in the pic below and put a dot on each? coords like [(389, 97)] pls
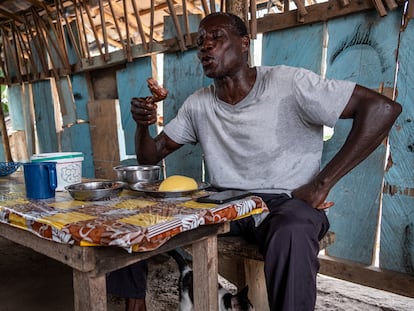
[(56, 228)]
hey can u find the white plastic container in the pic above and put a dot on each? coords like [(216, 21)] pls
[(68, 166)]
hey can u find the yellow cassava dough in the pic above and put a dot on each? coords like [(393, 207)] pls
[(178, 183)]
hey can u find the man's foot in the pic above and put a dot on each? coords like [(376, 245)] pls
[(133, 304)]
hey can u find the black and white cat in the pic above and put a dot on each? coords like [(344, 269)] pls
[(227, 301)]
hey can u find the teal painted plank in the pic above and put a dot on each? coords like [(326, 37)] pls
[(67, 105), (298, 47), (81, 95), (44, 116), (397, 230), (132, 82), (183, 75), (77, 138), (359, 51), (14, 96)]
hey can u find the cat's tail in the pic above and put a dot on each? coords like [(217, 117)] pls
[(179, 258)]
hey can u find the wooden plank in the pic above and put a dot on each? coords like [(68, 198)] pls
[(304, 51), (89, 292), (14, 95), (66, 102), (77, 257), (358, 51), (316, 13), (255, 278), (45, 117), (132, 82), (104, 135), (182, 76), (205, 274), (394, 282), (397, 230)]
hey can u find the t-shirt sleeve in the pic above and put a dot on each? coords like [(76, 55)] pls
[(180, 129), (320, 100)]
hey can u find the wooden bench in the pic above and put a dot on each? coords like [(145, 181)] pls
[(241, 263)]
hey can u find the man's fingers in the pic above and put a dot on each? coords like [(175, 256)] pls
[(326, 205)]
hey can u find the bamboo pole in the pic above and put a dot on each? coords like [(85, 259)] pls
[(180, 37), (121, 40), (45, 44), (9, 49), (5, 136), (4, 64), (98, 43), (39, 51), (17, 53), (139, 24), (79, 23), (253, 20), (187, 35), (205, 7), (379, 6), (129, 56), (212, 6), (28, 51), (104, 33), (152, 16), (72, 36)]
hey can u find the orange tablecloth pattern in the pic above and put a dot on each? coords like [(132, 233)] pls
[(133, 221)]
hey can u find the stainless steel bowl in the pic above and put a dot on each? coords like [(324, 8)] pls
[(95, 190), (138, 173)]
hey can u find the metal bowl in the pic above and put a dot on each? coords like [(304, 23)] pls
[(95, 190), (138, 173)]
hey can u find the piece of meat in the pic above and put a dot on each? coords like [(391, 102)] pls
[(157, 91)]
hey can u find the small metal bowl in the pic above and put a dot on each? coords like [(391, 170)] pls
[(95, 190), (132, 174)]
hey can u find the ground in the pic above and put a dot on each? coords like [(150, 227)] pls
[(30, 281)]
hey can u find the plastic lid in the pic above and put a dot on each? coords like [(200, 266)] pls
[(56, 156)]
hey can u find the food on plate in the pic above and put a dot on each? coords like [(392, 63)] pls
[(178, 183), (157, 91)]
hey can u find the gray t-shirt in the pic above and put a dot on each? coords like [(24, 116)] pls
[(272, 140)]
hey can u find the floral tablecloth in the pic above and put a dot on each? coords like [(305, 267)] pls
[(133, 221)]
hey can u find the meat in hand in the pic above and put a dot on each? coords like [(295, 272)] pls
[(158, 92)]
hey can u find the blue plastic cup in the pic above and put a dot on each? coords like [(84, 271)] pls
[(40, 179)]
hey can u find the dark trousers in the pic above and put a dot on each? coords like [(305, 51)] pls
[(288, 238), (128, 282)]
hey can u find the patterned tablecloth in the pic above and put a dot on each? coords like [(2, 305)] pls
[(133, 221)]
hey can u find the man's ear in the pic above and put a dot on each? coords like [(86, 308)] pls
[(246, 43)]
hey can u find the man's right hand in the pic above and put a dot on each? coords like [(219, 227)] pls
[(144, 110)]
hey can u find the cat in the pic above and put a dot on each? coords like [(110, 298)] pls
[(227, 301)]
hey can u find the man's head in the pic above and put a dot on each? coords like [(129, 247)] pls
[(222, 44)]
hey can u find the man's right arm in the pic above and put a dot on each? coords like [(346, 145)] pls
[(149, 150)]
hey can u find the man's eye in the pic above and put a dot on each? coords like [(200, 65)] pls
[(199, 42)]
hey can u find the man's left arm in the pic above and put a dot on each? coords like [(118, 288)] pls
[(373, 116)]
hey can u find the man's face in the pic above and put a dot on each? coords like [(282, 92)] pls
[(220, 49)]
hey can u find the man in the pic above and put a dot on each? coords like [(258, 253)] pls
[(260, 129)]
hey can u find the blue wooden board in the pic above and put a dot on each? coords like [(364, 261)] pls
[(183, 75), (14, 95), (67, 105), (78, 137), (44, 116), (132, 82), (397, 230), (299, 47), (359, 50)]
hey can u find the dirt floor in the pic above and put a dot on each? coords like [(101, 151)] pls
[(30, 281)]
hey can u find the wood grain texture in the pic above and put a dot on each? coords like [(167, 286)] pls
[(358, 51), (397, 232), (132, 82), (182, 76)]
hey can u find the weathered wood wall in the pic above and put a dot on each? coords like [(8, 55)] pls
[(360, 48)]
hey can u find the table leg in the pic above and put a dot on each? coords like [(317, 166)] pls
[(89, 292), (205, 269)]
